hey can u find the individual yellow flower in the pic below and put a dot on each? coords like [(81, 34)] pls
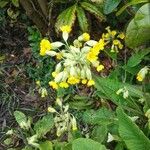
[(65, 28), (53, 84), (74, 124), (90, 82), (99, 68), (59, 56), (116, 42), (38, 83), (64, 85), (121, 36), (120, 45), (45, 45), (113, 33), (84, 81), (91, 56), (73, 80), (54, 74), (43, 92), (86, 37), (142, 73), (51, 110)]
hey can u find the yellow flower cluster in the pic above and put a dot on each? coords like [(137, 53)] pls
[(114, 38), (77, 59)]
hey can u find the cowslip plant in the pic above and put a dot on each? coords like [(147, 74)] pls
[(77, 59), (63, 120)]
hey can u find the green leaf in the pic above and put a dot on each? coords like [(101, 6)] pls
[(109, 87), (82, 19), (15, 3), (110, 5), (93, 10), (133, 2), (102, 116), (3, 3), (44, 125), (20, 117), (133, 137), (136, 58), (138, 30), (47, 145), (99, 133), (67, 17), (86, 144)]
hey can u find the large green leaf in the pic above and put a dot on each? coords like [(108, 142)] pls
[(67, 17), (138, 30), (86, 144), (93, 10), (110, 5), (3, 3), (102, 116), (47, 145), (82, 19), (109, 87), (136, 58), (44, 125), (131, 134), (132, 2)]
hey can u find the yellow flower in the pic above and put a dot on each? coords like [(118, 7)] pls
[(121, 36), (84, 81), (113, 33), (53, 84), (64, 85), (91, 56), (90, 83), (142, 73), (116, 42), (38, 83), (74, 124), (45, 45), (86, 37), (59, 56), (99, 68), (54, 74), (51, 109), (120, 45), (65, 28), (73, 80)]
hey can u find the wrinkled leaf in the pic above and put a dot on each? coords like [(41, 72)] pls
[(133, 137), (86, 144), (15, 3), (138, 30), (82, 19), (67, 17), (93, 10), (3, 3), (110, 5), (102, 116), (44, 125)]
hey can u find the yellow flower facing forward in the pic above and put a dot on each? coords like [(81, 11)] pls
[(113, 33), (91, 56), (65, 28), (45, 45), (64, 85), (90, 83), (99, 68), (53, 84), (142, 73), (84, 81), (116, 42), (73, 80), (121, 36), (86, 37), (38, 83)]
